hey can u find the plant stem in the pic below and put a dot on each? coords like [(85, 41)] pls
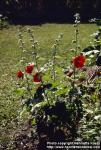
[(54, 62), (76, 48), (35, 59), (54, 75), (22, 46), (28, 87)]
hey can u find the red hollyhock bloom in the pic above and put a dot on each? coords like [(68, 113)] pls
[(37, 78), (29, 68), (20, 74), (79, 61)]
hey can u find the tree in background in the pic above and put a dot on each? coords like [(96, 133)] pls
[(49, 9)]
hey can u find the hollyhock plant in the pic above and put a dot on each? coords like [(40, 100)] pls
[(20, 74), (29, 68), (79, 61), (37, 78), (60, 96)]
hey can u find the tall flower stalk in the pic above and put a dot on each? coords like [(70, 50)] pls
[(21, 44), (77, 21), (22, 61), (54, 52), (54, 61), (34, 54), (34, 47)]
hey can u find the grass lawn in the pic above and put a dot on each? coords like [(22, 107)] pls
[(45, 35), (10, 54)]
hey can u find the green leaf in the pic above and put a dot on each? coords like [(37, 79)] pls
[(59, 70), (58, 57), (20, 91), (33, 122), (55, 84), (61, 91)]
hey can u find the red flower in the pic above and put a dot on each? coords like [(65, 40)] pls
[(37, 78), (29, 68), (79, 61), (20, 74)]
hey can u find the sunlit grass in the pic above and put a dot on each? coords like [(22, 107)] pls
[(45, 35)]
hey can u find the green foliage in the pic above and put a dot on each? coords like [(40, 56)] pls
[(3, 22)]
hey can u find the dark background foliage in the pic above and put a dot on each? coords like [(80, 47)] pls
[(49, 10)]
